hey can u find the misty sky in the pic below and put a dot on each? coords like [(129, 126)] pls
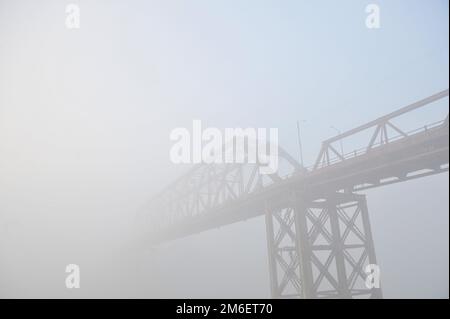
[(85, 118)]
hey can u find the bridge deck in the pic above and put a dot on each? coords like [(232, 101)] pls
[(417, 155)]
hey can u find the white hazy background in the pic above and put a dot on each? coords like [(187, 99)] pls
[(85, 117)]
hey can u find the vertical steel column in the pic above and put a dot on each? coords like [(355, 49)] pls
[(304, 249), (337, 247), (376, 293), (283, 252)]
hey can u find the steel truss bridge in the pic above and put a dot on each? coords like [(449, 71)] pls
[(319, 237)]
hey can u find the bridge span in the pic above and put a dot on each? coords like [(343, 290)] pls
[(318, 231)]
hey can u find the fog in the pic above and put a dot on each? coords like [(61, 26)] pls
[(86, 114)]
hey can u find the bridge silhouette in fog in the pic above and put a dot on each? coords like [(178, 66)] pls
[(319, 238)]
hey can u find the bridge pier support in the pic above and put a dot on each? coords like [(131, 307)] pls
[(320, 248)]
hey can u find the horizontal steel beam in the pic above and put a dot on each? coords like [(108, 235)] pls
[(387, 117)]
